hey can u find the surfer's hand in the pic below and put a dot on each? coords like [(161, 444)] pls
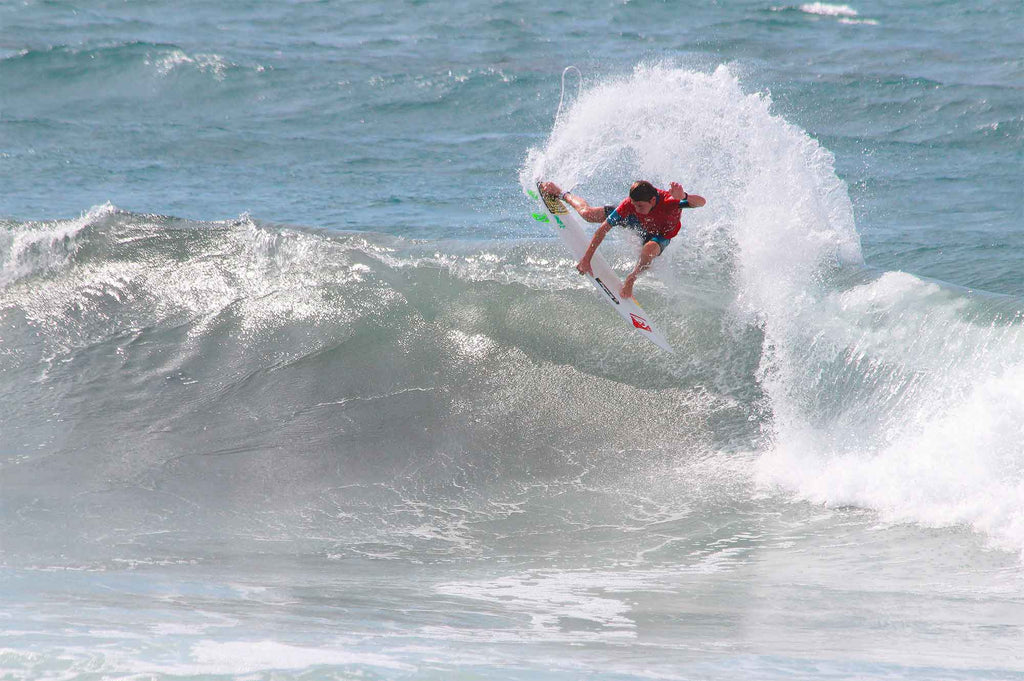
[(583, 267), (550, 188), (675, 190)]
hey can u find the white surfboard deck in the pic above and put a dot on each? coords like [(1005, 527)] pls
[(569, 227)]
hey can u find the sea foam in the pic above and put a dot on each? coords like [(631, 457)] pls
[(882, 389)]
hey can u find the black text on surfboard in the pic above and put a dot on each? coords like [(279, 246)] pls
[(607, 290)]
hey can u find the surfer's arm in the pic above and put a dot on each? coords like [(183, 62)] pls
[(687, 200), (583, 267)]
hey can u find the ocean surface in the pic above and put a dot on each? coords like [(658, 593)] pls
[(292, 386)]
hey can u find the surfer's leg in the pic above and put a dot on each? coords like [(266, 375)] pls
[(586, 211), (650, 251)]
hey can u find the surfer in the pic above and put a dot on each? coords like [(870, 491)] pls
[(651, 212)]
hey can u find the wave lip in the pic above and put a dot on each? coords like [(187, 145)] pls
[(844, 13), (36, 247), (828, 10), (130, 69), (167, 62)]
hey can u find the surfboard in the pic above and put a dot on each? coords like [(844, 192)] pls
[(569, 227)]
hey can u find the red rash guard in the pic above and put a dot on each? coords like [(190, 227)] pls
[(663, 220)]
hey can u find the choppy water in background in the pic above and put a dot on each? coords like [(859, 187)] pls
[(293, 387)]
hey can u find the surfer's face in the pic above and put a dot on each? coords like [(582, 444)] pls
[(643, 207)]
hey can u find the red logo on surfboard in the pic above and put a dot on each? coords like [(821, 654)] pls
[(639, 322)]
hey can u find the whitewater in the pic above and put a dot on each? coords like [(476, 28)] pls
[(371, 424)]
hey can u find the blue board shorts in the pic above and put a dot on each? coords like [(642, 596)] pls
[(660, 240)]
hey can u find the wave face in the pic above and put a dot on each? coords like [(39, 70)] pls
[(882, 389), (195, 381)]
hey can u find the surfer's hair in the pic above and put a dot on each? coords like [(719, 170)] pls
[(642, 190)]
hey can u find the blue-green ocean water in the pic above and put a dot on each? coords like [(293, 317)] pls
[(293, 386)]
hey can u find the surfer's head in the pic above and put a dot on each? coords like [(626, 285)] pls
[(644, 196)]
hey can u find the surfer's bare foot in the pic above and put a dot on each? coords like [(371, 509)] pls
[(627, 289), (550, 188)]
